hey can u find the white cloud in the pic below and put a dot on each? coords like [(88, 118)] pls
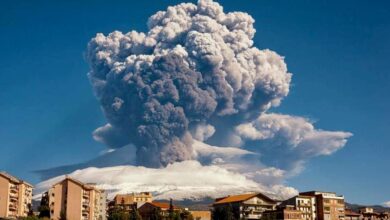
[(188, 179), (291, 140), (203, 150), (271, 171), (387, 204)]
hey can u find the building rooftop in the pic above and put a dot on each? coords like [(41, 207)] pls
[(14, 179), (240, 198), (349, 212), (314, 192), (162, 205), (88, 186)]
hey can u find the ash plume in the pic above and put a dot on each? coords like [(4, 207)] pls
[(196, 64), (194, 94)]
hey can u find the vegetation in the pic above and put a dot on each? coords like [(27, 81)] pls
[(44, 209), (120, 213), (223, 213), (62, 215)]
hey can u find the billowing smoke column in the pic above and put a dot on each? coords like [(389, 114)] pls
[(194, 75)]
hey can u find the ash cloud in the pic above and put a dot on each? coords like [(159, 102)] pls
[(194, 94), (195, 68)]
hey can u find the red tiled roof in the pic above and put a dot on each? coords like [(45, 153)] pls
[(162, 205), (351, 213), (240, 198)]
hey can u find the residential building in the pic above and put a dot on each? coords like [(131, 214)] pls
[(287, 212), (369, 213), (15, 196), (329, 205), (248, 206), (351, 215), (306, 204), (75, 200), (130, 199), (149, 209), (201, 215), (384, 215)]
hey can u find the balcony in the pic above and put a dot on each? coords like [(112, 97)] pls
[(252, 216), (13, 196), (85, 212), (12, 207)]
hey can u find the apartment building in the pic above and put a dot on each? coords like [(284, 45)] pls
[(75, 200), (15, 196), (247, 206), (132, 198), (305, 204), (288, 212), (329, 205)]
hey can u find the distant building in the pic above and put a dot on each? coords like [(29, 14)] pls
[(15, 196), (329, 206), (369, 213), (248, 206), (305, 204), (201, 215), (288, 212), (149, 209), (75, 200), (385, 215), (351, 215), (130, 199)]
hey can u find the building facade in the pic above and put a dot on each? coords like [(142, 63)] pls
[(305, 204), (288, 212), (329, 206), (77, 201), (246, 206), (351, 215), (132, 198), (15, 196)]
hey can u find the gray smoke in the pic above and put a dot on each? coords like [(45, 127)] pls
[(195, 68)]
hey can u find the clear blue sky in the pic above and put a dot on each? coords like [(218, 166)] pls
[(338, 52)]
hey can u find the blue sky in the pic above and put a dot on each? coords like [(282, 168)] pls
[(338, 53)]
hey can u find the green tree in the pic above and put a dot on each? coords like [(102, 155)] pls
[(156, 214), (134, 214), (118, 214), (186, 215), (176, 216), (44, 209), (62, 215), (223, 213), (30, 210), (171, 213)]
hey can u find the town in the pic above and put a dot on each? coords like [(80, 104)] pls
[(71, 199)]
